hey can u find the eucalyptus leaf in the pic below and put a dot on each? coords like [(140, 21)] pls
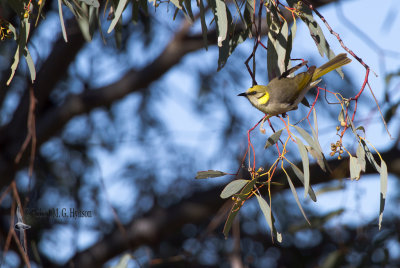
[(306, 168), (273, 139), (233, 187), (60, 14), (93, 3), (355, 168), (370, 156), (118, 14), (361, 157), (293, 189), (221, 21), (232, 215), (203, 23), (266, 210), (300, 176), (383, 191), (210, 174)]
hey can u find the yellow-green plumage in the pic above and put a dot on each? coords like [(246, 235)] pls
[(283, 94)]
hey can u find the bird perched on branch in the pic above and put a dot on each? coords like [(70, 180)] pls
[(284, 93)]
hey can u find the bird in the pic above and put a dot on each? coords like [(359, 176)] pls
[(284, 93)]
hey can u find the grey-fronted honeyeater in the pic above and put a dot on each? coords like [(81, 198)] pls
[(283, 93)]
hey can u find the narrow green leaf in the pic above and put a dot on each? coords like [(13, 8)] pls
[(273, 139), (306, 168), (188, 6), (317, 156), (210, 174), (355, 168), (60, 14), (93, 3), (221, 20), (14, 65), (203, 22), (308, 139), (316, 150), (341, 116), (315, 30), (117, 15), (293, 189), (384, 181), (232, 188), (177, 3), (361, 157), (370, 156), (31, 64), (232, 214), (315, 124), (266, 210), (300, 176), (361, 128)]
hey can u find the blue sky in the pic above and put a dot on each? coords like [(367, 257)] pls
[(361, 198)]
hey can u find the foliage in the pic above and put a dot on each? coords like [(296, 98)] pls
[(233, 23)]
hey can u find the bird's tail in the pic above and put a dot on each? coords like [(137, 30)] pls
[(331, 65)]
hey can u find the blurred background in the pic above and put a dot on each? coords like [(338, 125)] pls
[(124, 122)]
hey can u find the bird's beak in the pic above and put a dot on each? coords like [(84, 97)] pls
[(244, 94)]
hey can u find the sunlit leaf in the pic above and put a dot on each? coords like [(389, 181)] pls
[(361, 157), (60, 14), (341, 116), (293, 189), (93, 3), (266, 210), (384, 181), (117, 15), (233, 187), (221, 20), (316, 32), (370, 156), (177, 3), (355, 168), (300, 176), (273, 139), (306, 168), (209, 174)]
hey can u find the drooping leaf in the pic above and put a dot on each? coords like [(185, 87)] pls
[(188, 7), (293, 189), (203, 23), (306, 168), (370, 156), (266, 210), (117, 15), (355, 168), (240, 198), (210, 174), (221, 20), (316, 32), (93, 3), (361, 157), (233, 187), (308, 139), (300, 176), (273, 139), (317, 156), (60, 14), (384, 181), (229, 221), (22, 49), (177, 3)]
